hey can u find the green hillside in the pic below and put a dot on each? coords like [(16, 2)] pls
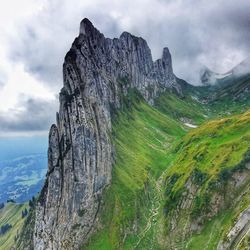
[(230, 96), (156, 156), (142, 135), (11, 215), (208, 182)]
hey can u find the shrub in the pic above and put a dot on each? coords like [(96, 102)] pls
[(4, 228), (198, 177), (24, 213), (201, 204), (1, 205), (170, 184)]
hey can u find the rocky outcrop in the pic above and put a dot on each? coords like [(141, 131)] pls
[(237, 232), (97, 71), (226, 195)]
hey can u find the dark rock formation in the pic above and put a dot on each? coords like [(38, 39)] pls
[(96, 71)]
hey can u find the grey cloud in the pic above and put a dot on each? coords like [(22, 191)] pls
[(215, 33), (36, 115)]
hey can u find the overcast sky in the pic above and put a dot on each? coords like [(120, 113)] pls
[(36, 34)]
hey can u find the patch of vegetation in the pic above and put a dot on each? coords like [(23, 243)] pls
[(1, 205), (24, 213), (171, 182), (24, 237), (11, 222), (4, 228), (198, 176), (179, 107), (201, 205)]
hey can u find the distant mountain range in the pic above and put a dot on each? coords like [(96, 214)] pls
[(208, 77)]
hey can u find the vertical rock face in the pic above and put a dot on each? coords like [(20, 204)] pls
[(96, 71)]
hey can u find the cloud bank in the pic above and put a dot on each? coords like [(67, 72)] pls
[(34, 117)]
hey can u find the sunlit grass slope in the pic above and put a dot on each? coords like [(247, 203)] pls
[(11, 214), (217, 145), (142, 135), (208, 157)]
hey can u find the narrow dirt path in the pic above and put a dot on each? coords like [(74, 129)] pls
[(156, 204)]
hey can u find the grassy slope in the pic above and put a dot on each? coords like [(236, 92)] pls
[(210, 153), (230, 96), (145, 139), (11, 214), (185, 107), (216, 145), (233, 98), (142, 136)]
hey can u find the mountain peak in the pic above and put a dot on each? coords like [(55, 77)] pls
[(166, 58), (125, 34), (99, 73), (86, 27), (165, 52), (207, 76)]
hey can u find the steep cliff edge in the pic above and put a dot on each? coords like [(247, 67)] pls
[(97, 73)]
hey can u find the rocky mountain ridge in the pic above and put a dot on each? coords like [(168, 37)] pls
[(97, 73)]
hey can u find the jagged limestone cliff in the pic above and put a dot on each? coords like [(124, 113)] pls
[(97, 72), (121, 125)]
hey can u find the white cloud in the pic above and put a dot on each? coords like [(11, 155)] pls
[(21, 83)]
